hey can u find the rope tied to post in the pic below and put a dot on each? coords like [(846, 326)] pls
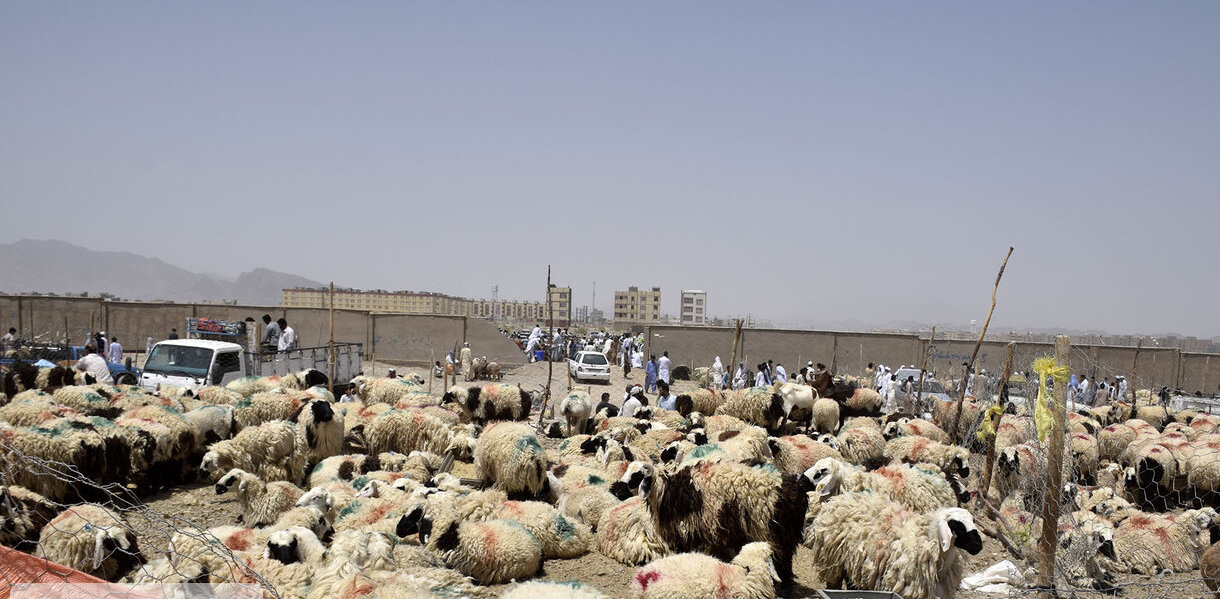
[(1044, 418)]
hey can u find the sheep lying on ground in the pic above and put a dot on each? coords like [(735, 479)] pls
[(492, 552), (914, 450), (273, 450), (798, 453), (553, 590), (261, 502), (628, 534), (914, 427), (860, 441), (751, 575), (404, 431), (92, 539), (873, 543), (1151, 543), (277, 404), (720, 507), (490, 402), (23, 513), (922, 489), (510, 457), (704, 401)]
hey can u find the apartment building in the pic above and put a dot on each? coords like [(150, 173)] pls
[(693, 311), (637, 306)]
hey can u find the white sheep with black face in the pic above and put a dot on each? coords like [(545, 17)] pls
[(873, 543), (261, 502), (92, 539)]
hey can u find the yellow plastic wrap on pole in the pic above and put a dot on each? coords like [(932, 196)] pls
[(1044, 418)]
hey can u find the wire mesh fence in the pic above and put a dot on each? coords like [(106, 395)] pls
[(114, 536)]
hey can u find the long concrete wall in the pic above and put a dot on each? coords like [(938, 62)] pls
[(849, 353), (419, 340), (397, 339)]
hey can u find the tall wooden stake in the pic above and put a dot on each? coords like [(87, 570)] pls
[(330, 356), (987, 469), (1054, 485), (733, 362), (1135, 367), (550, 364), (924, 366), (961, 400)]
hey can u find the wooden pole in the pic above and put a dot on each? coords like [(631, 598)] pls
[(68, 342), (432, 356), (923, 365), (1207, 364), (990, 463), (1135, 367), (550, 364), (733, 362), (330, 356), (1054, 485), (961, 400)]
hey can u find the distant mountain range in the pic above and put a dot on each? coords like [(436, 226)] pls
[(32, 266)]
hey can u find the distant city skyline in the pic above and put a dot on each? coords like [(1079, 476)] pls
[(809, 163)]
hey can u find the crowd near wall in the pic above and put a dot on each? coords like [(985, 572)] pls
[(850, 353), (393, 338), (422, 339)]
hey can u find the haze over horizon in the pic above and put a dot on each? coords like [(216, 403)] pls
[(805, 163)]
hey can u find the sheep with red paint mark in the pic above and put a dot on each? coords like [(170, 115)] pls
[(797, 453), (404, 431), (860, 441), (918, 449), (870, 542), (492, 552), (751, 575), (627, 533), (921, 488)]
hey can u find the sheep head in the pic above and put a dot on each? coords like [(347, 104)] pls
[(235, 476), (822, 478), (633, 480), (283, 547), (955, 528)]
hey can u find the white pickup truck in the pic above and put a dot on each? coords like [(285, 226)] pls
[(195, 363)]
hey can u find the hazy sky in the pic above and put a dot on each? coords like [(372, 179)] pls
[(807, 162)]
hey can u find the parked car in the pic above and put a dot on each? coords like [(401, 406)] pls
[(931, 388), (589, 365)]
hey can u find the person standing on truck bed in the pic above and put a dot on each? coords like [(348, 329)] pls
[(8, 342), (271, 335), (116, 351), (288, 337), (95, 364)]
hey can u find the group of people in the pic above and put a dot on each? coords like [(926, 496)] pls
[(634, 399), (277, 335), (1099, 394), (766, 374)]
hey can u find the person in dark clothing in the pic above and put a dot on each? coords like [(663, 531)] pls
[(604, 404)]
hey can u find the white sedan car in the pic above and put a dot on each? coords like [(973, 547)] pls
[(589, 365)]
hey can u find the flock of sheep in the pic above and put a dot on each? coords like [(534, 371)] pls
[(410, 494)]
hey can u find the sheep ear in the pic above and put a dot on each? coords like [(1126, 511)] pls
[(242, 487), (99, 553), (771, 568), (946, 535)]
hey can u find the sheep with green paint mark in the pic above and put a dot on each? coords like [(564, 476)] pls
[(510, 457)]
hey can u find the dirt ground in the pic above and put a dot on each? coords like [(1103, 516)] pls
[(199, 504)]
